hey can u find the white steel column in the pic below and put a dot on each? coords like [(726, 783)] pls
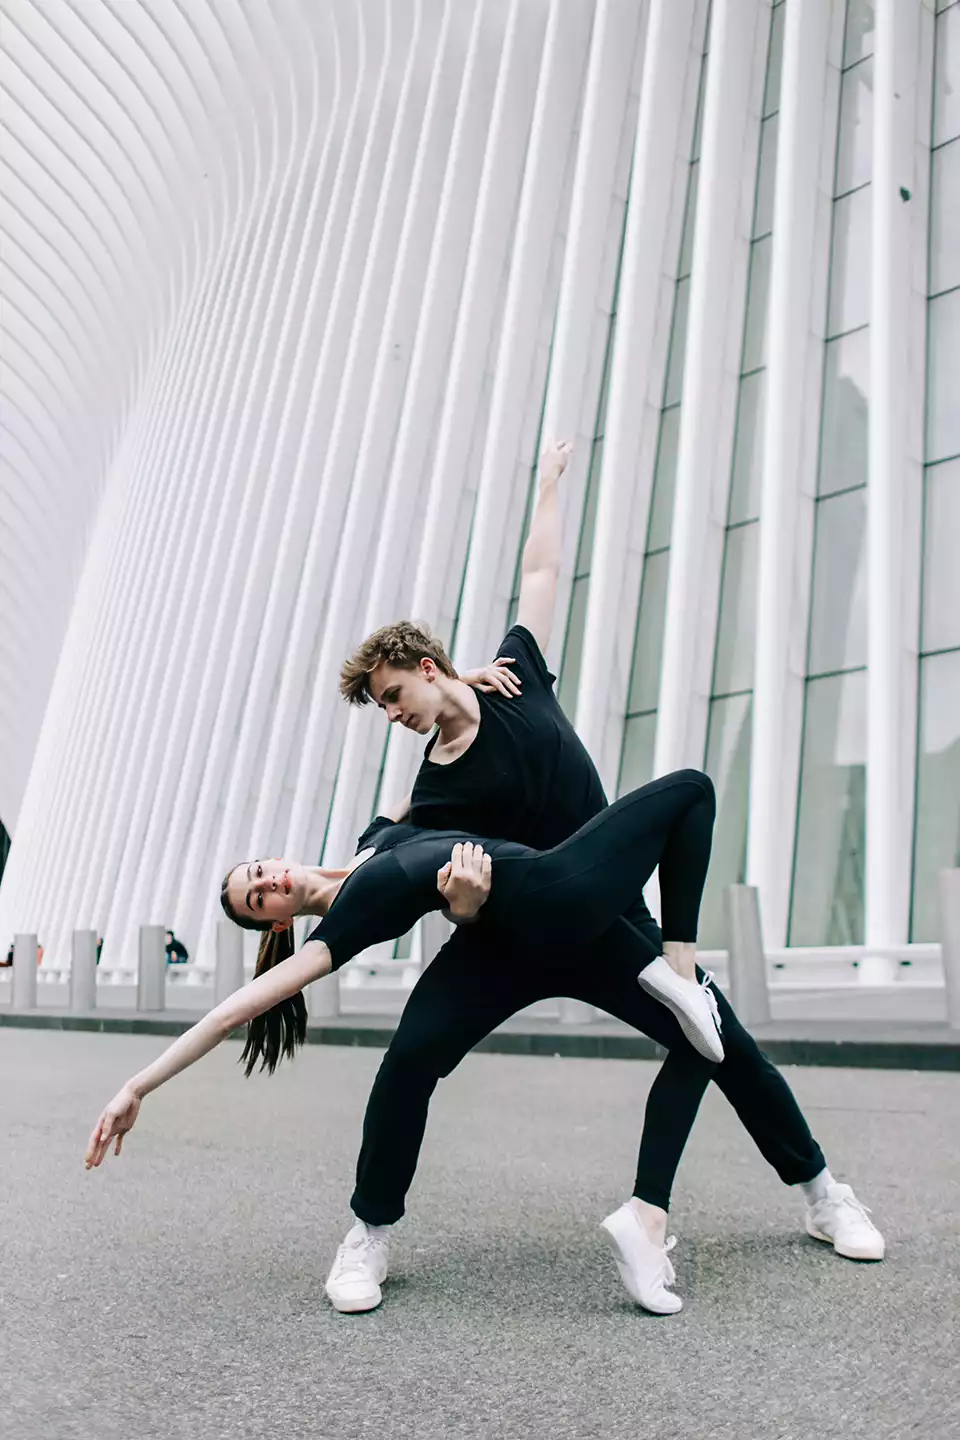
[(901, 134), (739, 34), (661, 168), (803, 205)]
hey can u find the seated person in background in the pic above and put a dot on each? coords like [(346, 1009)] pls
[(176, 950)]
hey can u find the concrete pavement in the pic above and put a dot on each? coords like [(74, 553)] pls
[(177, 1293)]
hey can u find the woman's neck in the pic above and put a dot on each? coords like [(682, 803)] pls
[(321, 889)]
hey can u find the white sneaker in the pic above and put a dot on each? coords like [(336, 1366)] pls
[(693, 1003), (644, 1267), (358, 1271), (844, 1223)]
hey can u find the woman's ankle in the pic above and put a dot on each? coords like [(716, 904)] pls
[(653, 1219), (681, 956)]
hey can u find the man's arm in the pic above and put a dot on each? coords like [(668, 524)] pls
[(540, 566)]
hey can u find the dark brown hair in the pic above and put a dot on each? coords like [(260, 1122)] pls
[(403, 644), (282, 1029)]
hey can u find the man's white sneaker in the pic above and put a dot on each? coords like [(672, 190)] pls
[(644, 1267), (359, 1270), (693, 1003), (844, 1223)]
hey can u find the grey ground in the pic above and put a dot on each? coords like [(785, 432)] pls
[(177, 1294)]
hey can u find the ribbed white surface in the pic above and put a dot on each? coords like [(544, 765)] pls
[(292, 291)]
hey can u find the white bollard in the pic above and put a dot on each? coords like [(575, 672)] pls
[(83, 970), (576, 1012), (749, 992), (152, 968), (229, 972), (323, 997), (25, 972), (950, 941)]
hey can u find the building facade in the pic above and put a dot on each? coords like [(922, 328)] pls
[(294, 291)]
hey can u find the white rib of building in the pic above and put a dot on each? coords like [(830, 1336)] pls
[(292, 291)]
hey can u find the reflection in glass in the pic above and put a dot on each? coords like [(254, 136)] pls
[(943, 377), (573, 647), (645, 679), (738, 608), (661, 514), (590, 509), (767, 174), (855, 143), (728, 765), (827, 901), (940, 628), (748, 449), (938, 789), (946, 78), (945, 218), (678, 345), (636, 763), (850, 264), (838, 615), (689, 221), (858, 39), (758, 292), (771, 98), (846, 413)]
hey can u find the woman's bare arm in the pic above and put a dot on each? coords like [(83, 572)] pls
[(308, 963)]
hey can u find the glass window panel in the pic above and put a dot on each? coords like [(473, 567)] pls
[(941, 554), (755, 334), (846, 413), (661, 515), (945, 219), (585, 547), (855, 145), (827, 901), (838, 617), (678, 344), (771, 98), (946, 80), (943, 377), (938, 789), (573, 648), (748, 448), (850, 264), (738, 606), (645, 679), (636, 763), (698, 121), (690, 220), (763, 215), (601, 421), (728, 765), (858, 39)]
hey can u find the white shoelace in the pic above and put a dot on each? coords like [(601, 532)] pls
[(711, 999), (669, 1274), (352, 1259), (862, 1210)]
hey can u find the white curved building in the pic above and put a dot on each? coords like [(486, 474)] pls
[(292, 291)]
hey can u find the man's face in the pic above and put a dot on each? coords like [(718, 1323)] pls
[(411, 697)]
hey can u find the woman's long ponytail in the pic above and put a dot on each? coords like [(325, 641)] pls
[(282, 1029)]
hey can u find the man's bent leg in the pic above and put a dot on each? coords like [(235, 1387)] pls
[(472, 986)]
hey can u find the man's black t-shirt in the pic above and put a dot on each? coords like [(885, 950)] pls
[(527, 775)]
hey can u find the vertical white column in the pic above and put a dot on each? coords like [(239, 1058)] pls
[(661, 167), (897, 334), (718, 288), (801, 239)]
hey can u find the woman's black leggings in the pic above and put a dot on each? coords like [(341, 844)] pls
[(572, 894)]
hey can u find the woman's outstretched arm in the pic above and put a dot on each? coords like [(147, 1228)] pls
[(308, 963)]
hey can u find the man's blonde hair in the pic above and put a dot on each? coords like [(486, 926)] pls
[(403, 644)]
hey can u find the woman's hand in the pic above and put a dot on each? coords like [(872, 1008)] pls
[(119, 1117), (495, 679), (464, 882)]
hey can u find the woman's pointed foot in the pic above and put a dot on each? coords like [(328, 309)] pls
[(693, 1003)]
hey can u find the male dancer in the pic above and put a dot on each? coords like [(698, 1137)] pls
[(514, 767)]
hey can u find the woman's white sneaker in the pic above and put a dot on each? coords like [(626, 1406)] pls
[(359, 1270), (844, 1223), (644, 1267), (693, 1003)]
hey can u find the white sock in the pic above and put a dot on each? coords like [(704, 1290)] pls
[(815, 1190), (379, 1232)]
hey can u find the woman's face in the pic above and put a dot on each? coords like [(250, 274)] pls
[(268, 890)]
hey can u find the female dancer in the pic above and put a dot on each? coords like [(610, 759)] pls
[(562, 897)]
